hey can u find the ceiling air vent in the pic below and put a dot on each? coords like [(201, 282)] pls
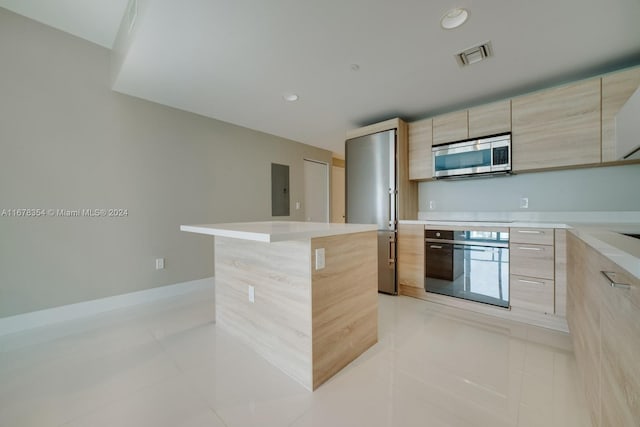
[(474, 54)]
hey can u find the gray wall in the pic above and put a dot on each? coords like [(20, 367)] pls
[(67, 141), (596, 189)]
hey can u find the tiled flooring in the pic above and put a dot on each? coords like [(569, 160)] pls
[(166, 364)]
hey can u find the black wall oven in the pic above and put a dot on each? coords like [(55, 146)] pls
[(468, 264)]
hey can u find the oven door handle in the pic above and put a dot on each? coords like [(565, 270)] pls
[(472, 248)]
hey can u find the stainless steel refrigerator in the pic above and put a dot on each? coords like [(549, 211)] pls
[(371, 196)]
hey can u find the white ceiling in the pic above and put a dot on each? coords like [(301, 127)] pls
[(233, 60), (93, 20)]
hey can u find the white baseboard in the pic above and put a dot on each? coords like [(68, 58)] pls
[(34, 319)]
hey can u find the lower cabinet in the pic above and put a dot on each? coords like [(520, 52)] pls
[(532, 270), (532, 293), (411, 255), (604, 321)]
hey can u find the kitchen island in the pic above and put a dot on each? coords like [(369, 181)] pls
[(303, 295)]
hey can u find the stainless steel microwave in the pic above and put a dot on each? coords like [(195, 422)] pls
[(479, 156)]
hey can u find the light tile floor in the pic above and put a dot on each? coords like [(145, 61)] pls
[(166, 364)]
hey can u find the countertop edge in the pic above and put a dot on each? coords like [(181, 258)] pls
[(612, 251), (277, 236)]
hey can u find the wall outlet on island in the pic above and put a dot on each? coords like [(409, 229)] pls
[(319, 258), (524, 203)]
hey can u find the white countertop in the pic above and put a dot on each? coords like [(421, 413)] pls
[(621, 249), (484, 223), (277, 231), (600, 230)]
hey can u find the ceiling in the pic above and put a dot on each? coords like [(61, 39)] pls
[(234, 60)]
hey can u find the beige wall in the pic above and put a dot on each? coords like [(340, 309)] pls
[(68, 142)]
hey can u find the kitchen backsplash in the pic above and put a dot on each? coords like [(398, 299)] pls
[(593, 189)]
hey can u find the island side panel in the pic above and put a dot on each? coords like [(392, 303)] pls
[(278, 324), (344, 301)]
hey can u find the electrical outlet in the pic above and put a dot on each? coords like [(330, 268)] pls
[(432, 204), (252, 294), (319, 258), (524, 203), (159, 263), (297, 205)]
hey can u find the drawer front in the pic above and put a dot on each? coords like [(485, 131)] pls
[(532, 293), (531, 260), (536, 236)]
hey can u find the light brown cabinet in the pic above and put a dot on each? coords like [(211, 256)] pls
[(536, 236), (420, 142), (560, 246), (532, 269), (558, 127), (490, 119), (411, 255), (450, 127), (616, 90), (533, 294), (604, 326)]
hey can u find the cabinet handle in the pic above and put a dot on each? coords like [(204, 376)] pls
[(435, 246), (528, 248), (530, 231), (612, 281), (533, 282)]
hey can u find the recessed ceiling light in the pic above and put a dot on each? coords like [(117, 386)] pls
[(291, 97), (454, 18)]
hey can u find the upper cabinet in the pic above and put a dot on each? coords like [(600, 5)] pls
[(420, 142), (562, 127), (616, 90), (450, 127), (490, 119), (557, 127)]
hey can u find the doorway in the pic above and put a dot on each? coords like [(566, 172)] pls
[(337, 193), (316, 191)]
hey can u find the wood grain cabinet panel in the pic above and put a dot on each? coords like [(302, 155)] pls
[(535, 236), (420, 142), (532, 294), (532, 260), (558, 127), (583, 317), (411, 255), (606, 334), (490, 119), (561, 272), (616, 90), (450, 127), (620, 350)]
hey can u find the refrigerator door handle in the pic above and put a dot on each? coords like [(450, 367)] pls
[(392, 250), (392, 213), (389, 205)]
